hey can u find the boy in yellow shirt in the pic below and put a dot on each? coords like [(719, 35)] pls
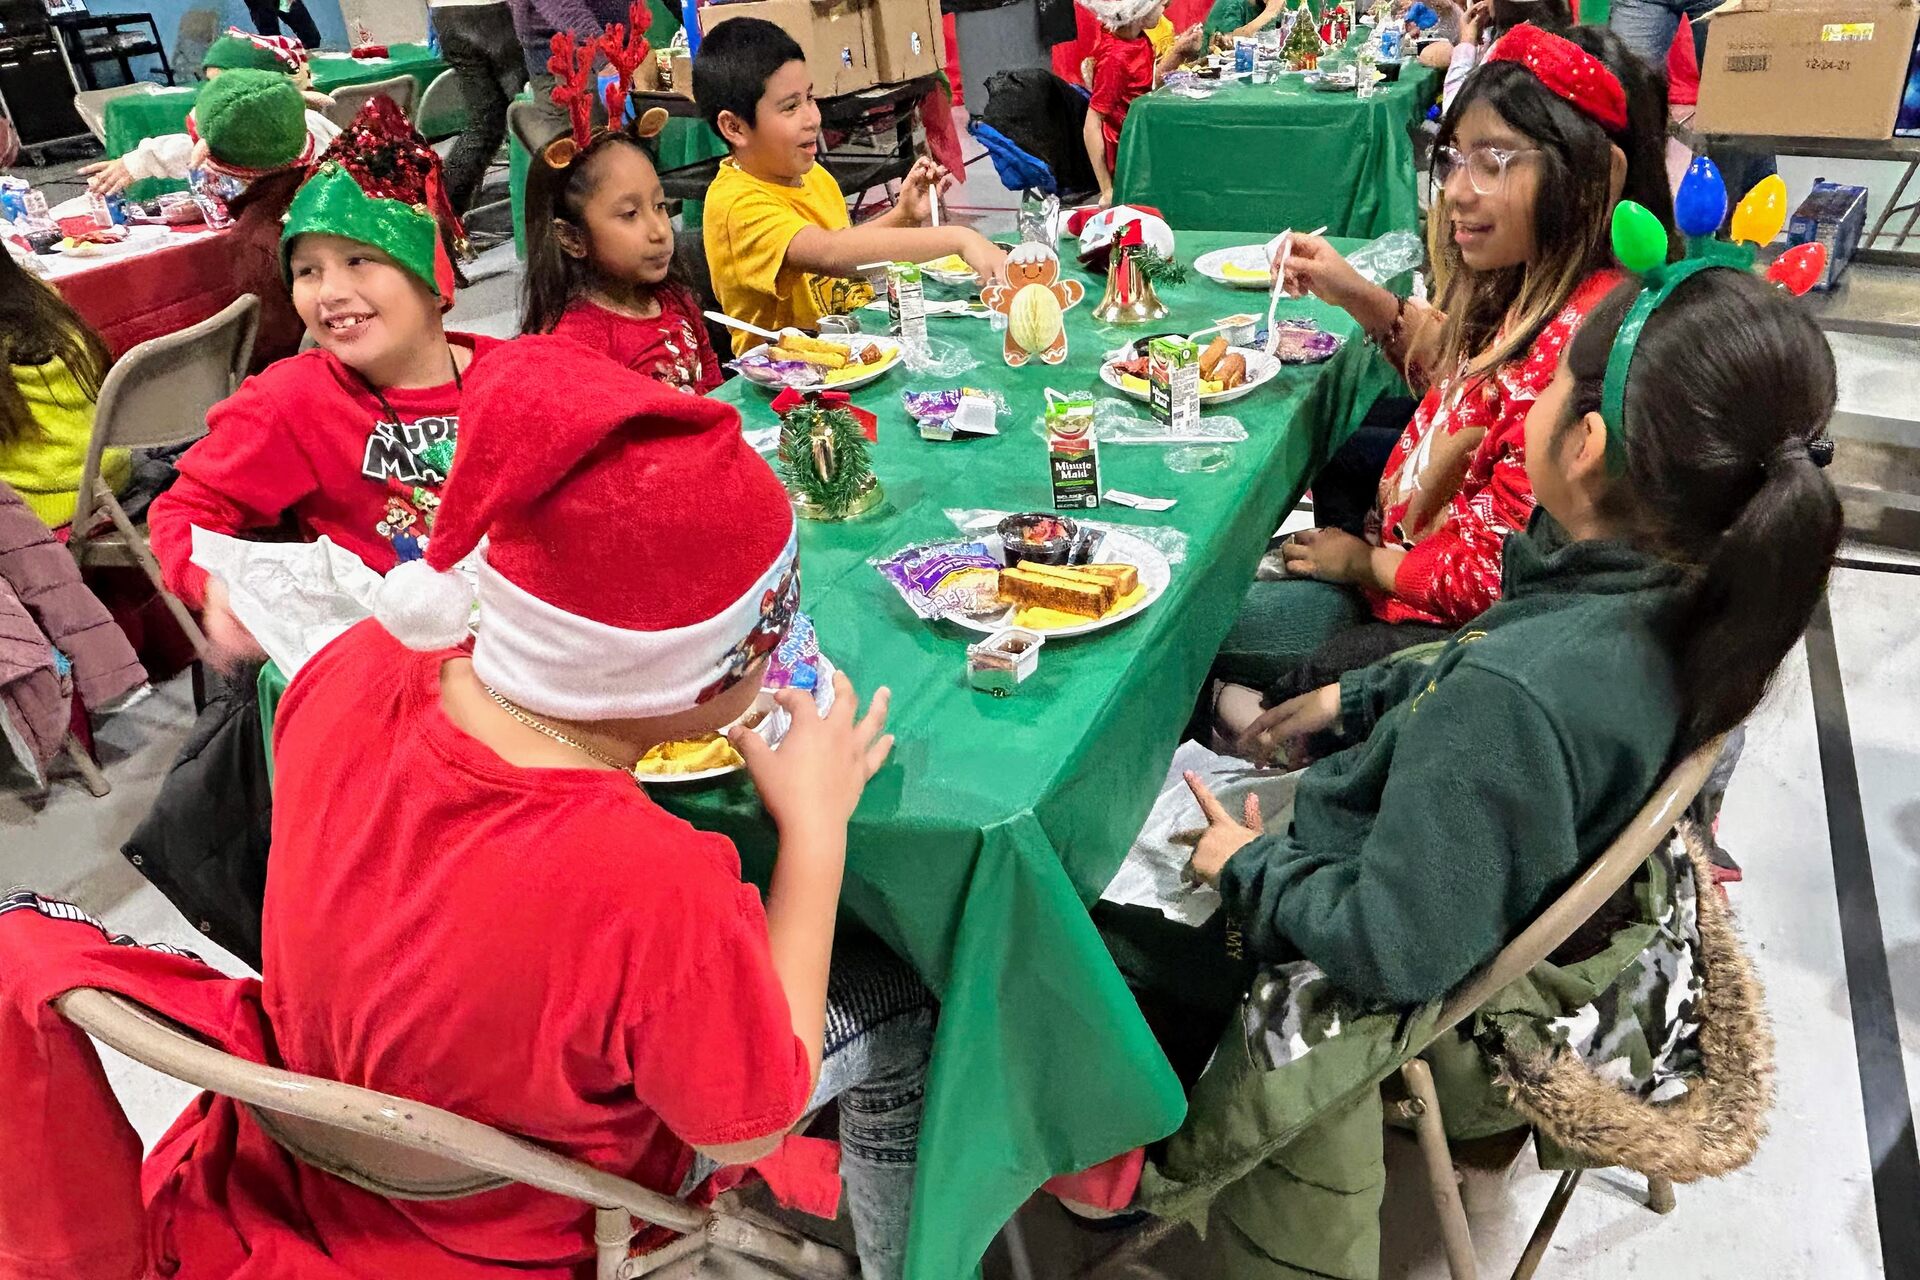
[(780, 248)]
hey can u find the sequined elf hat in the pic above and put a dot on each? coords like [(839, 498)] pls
[(574, 67), (1640, 243), (380, 183)]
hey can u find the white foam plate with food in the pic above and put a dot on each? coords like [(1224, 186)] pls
[(1250, 266), (1261, 369), (952, 269), (752, 363), (772, 725), (1118, 547)]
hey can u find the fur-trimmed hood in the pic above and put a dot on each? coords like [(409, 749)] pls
[(1712, 1129)]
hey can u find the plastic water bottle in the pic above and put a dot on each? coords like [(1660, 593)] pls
[(1363, 74)]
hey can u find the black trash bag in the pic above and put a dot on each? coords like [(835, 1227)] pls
[(1046, 117), (204, 842)]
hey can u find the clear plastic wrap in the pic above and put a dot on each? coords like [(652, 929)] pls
[(1039, 218), (1393, 254), (943, 358), (1171, 543), (1124, 422)]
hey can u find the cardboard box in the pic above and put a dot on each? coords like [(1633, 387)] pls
[(1806, 68), (1834, 215), (906, 39), (678, 79), (836, 36)]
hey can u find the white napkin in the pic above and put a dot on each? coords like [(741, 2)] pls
[(295, 597)]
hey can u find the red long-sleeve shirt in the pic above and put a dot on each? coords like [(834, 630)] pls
[(1451, 572), (307, 438), (672, 347)]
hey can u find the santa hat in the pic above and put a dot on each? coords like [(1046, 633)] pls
[(381, 184), (639, 557), (253, 122), (1099, 230), (1114, 14)]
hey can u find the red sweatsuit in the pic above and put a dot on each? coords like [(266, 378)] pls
[(308, 438)]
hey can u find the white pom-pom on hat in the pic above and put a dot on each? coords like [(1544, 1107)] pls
[(425, 609)]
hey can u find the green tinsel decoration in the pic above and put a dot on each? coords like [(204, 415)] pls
[(835, 494), (1157, 269)]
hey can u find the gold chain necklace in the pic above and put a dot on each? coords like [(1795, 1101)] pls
[(541, 726)]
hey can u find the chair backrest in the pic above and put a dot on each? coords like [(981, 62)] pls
[(348, 99), (396, 1147), (442, 111), (159, 392), (531, 126), (91, 104), (1613, 868)]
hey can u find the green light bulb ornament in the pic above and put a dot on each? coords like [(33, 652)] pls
[(1639, 241)]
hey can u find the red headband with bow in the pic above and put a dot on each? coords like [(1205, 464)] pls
[(1569, 72)]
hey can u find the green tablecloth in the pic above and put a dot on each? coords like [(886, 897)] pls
[(685, 140), (1279, 155), (134, 117), (977, 852)]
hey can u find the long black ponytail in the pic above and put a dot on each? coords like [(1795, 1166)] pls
[(1731, 390)]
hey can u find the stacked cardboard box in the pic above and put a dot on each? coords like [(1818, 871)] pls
[(850, 45)]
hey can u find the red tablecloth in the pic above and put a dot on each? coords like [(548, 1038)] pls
[(129, 300)]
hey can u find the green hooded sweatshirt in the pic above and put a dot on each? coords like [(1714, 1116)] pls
[(1487, 780)]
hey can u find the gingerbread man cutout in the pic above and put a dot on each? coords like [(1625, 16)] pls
[(1034, 300)]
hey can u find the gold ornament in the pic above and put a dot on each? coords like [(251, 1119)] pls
[(1130, 298)]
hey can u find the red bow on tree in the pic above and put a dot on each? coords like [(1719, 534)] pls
[(792, 398)]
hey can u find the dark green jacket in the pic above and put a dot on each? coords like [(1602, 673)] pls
[(1486, 780)]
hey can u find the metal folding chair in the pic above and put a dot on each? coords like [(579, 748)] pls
[(157, 396), (91, 104), (348, 99), (405, 1150)]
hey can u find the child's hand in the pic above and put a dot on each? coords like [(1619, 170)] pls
[(1296, 718), (1223, 837), (916, 202), (228, 639), (812, 783), (1187, 43), (988, 260), (1331, 555), (109, 177), (1314, 266)]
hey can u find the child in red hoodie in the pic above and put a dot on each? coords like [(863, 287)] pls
[(353, 438)]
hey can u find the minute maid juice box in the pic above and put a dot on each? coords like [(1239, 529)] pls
[(1073, 455), (907, 305), (1173, 381)]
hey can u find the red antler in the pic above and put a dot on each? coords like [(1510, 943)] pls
[(572, 66), (625, 55)]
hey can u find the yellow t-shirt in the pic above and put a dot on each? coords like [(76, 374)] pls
[(747, 225), (45, 468), (1161, 35)]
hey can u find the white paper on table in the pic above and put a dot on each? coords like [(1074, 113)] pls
[(1153, 873), (295, 597)]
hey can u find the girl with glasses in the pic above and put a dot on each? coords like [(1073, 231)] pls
[(1542, 142)]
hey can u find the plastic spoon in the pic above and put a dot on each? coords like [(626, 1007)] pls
[(722, 318)]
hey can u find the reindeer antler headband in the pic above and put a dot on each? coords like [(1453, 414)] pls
[(572, 64)]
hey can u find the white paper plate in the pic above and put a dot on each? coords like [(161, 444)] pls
[(1261, 369), (944, 276), (851, 342), (1248, 257), (1118, 547), (773, 728)]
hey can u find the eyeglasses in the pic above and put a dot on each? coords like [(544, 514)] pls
[(1485, 165)]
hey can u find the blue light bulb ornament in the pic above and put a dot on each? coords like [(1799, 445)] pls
[(1700, 206)]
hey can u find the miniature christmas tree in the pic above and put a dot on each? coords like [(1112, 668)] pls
[(1303, 47)]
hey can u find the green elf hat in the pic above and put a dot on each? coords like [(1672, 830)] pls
[(253, 122), (238, 50), (1640, 243), (380, 183)]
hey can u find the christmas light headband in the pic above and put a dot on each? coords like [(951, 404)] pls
[(572, 64), (1640, 243), (1569, 72)]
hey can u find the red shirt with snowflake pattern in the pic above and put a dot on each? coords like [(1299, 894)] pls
[(309, 439), (1456, 483), (671, 347)]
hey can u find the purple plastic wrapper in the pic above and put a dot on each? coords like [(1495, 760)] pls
[(940, 578), (931, 406), (778, 373), (796, 659), (1304, 342)]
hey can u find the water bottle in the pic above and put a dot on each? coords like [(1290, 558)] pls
[(1363, 71)]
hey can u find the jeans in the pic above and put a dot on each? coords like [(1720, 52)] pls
[(873, 1061), (268, 17), (1647, 27), (478, 42)]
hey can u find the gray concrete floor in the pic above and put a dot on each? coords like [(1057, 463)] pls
[(1804, 1208)]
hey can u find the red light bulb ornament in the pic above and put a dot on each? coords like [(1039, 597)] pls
[(1799, 268)]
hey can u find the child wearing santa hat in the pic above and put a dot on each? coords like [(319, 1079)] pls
[(473, 901), (353, 438)]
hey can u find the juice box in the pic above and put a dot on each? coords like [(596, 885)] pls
[(1173, 381), (1073, 455), (907, 305)]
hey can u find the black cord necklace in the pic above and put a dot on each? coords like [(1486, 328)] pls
[(387, 409)]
